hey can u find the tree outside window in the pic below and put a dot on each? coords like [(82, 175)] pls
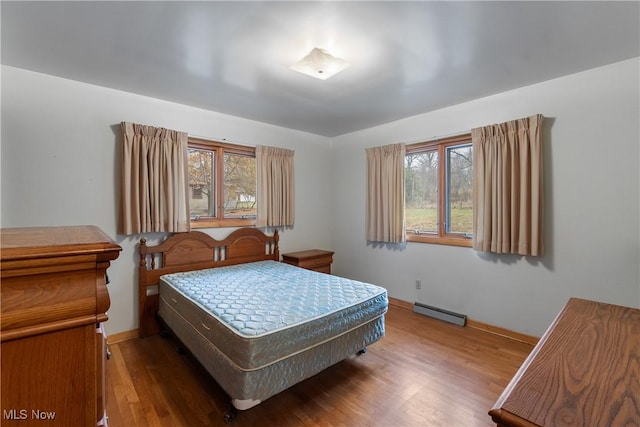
[(222, 178), (438, 191)]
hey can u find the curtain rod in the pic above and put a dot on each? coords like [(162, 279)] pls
[(438, 138), (210, 138)]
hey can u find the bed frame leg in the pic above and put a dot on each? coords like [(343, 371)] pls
[(361, 352), (230, 415)]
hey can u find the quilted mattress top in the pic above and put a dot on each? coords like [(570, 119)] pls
[(261, 297)]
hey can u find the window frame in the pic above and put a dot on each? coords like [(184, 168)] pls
[(441, 237), (220, 149)]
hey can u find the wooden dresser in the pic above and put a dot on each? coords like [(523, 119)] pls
[(584, 371), (313, 259), (54, 299)]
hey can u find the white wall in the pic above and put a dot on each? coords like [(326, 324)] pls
[(60, 165), (592, 206)]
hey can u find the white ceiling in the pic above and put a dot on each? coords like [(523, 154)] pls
[(407, 58)]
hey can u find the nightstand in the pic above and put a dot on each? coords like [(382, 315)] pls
[(313, 259)]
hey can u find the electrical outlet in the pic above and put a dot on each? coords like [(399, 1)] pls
[(418, 284)]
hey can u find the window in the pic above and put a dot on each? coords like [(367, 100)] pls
[(196, 190), (222, 178), (438, 191)]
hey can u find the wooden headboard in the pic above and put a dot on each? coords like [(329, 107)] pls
[(194, 250)]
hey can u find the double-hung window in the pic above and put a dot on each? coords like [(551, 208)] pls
[(438, 191), (222, 184)]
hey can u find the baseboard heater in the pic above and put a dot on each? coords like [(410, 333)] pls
[(441, 314)]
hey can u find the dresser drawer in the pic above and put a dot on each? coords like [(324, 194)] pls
[(314, 259), (45, 298), (326, 268), (315, 262)]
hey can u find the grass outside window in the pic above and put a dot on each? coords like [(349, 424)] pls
[(438, 191)]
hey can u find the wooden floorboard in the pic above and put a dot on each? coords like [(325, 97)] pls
[(424, 372)]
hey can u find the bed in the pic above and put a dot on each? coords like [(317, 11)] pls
[(257, 325)]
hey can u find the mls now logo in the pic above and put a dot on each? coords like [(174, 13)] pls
[(23, 414)]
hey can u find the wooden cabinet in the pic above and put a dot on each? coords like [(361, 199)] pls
[(313, 259), (584, 371), (54, 299)]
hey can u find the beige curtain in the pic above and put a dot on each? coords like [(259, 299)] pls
[(385, 194), (275, 187), (154, 180), (508, 187)]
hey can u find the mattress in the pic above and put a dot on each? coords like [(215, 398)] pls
[(261, 313)]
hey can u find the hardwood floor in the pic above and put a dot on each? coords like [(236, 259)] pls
[(424, 372)]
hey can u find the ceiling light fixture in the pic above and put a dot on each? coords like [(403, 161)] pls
[(320, 64)]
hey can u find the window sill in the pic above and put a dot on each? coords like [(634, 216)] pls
[(450, 241), (216, 223)]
